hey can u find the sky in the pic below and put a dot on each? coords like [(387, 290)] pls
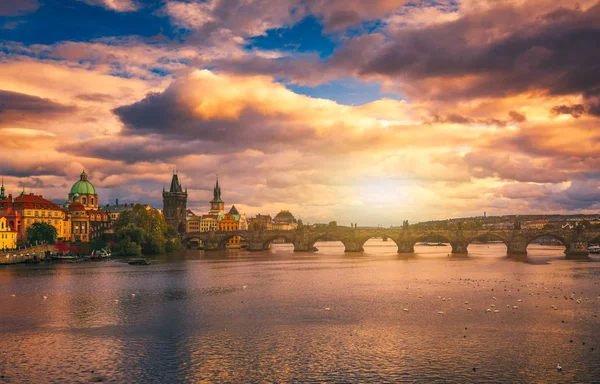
[(370, 112)]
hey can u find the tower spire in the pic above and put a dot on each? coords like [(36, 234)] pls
[(2, 195), (217, 191)]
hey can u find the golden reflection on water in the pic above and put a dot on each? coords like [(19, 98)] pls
[(280, 316)]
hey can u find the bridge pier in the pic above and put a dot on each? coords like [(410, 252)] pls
[(256, 245), (353, 246), (303, 246), (406, 247), (459, 249), (577, 250), (517, 249), (214, 245)]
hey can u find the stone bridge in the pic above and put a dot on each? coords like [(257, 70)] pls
[(23, 255), (575, 240)]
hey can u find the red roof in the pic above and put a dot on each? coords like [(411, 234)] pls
[(34, 201), (76, 206)]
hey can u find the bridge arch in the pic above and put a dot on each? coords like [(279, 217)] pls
[(432, 237), (266, 243), (191, 242), (536, 236), (387, 241), (483, 236), (232, 240), (350, 244), (530, 239)]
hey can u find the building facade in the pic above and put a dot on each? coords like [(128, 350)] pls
[(261, 222), (87, 220), (192, 222), (8, 235), (174, 205), (285, 221), (26, 209)]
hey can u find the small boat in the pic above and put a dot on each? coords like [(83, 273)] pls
[(594, 249), (102, 254), (315, 249), (139, 262)]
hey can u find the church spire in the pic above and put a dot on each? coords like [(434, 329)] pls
[(2, 195), (175, 184), (217, 191)]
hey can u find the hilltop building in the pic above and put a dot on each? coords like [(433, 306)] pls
[(174, 204)]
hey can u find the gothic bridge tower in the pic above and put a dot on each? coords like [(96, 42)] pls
[(175, 204), (217, 206)]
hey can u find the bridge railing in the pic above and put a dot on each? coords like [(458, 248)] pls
[(22, 254)]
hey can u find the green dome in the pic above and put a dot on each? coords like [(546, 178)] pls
[(83, 187)]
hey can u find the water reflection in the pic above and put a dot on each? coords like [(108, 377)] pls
[(281, 316)]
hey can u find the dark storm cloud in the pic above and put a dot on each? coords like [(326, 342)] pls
[(557, 52), (16, 106)]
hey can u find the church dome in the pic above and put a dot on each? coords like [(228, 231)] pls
[(285, 217), (83, 186)]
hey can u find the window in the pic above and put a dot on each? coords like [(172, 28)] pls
[(92, 201), (37, 213), (28, 221), (84, 201)]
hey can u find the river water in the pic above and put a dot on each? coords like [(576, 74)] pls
[(280, 316)]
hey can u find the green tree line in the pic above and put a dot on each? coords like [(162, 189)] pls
[(142, 231)]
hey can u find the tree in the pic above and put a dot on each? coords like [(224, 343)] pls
[(150, 220), (41, 232), (142, 231), (172, 245), (127, 248)]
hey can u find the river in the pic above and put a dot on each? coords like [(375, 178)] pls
[(280, 316)]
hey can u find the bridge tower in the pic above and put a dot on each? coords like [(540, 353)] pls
[(175, 204), (217, 206)]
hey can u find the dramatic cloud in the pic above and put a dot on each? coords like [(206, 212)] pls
[(360, 111), (15, 107), (17, 8), (494, 53)]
